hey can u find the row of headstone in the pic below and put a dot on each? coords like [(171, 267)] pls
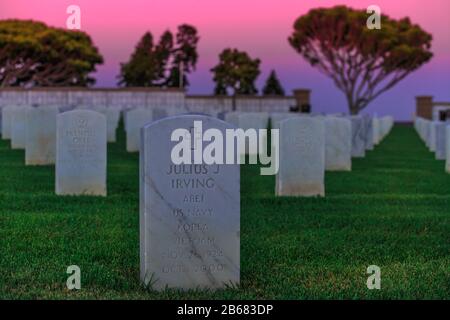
[(309, 146), (189, 214), (313, 144), (359, 136), (75, 141), (436, 136), (367, 132), (14, 122)]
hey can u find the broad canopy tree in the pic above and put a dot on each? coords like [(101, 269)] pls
[(235, 72), (165, 64), (34, 54), (363, 63)]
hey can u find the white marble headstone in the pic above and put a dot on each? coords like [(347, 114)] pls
[(338, 144), (18, 127), (136, 119), (189, 214), (40, 146), (302, 157), (81, 153)]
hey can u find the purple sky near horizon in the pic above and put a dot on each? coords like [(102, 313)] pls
[(258, 27)]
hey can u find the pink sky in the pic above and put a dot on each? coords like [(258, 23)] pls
[(260, 27)]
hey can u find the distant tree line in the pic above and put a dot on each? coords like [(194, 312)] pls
[(363, 63), (34, 54), (168, 64)]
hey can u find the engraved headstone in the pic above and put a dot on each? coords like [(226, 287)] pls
[(189, 214), (338, 144), (18, 127), (40, 146), (81, 153), (136, 119), (302, 157)]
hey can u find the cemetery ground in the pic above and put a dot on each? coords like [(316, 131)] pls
[(392, 210)]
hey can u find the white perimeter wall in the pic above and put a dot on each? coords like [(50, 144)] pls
[(140, 97)]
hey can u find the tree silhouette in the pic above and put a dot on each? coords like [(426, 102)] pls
[(273, 86), (34, 54), (236, 71), (161, 65), (185, 56), (146, 67), (363, 63)]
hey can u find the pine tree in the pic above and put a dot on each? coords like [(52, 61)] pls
[(273, 86), (145, 66)]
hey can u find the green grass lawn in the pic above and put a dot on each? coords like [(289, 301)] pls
[(392, 210)]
